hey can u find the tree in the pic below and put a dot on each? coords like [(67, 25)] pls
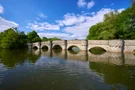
[(33, 37), (22, 39), (12, 38), (45, 39), (54, 38), (115, 26), (9, 39)]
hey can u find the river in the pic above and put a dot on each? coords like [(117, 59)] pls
[(66, 70)]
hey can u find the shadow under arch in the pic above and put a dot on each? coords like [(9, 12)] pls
[(74, 49), (57, 48), (97, 50), (44, 48), (35, 47), (134, 52)]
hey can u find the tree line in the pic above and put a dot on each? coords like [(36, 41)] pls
[(12, 38), (115, 26)]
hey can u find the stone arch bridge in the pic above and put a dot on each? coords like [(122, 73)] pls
[(108, 45)]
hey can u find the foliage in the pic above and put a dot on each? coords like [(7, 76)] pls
[(54, 38), (50, 39), (45, 39), (33, 37), (12, 38), (115, 26)]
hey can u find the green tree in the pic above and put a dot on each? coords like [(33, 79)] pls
[(12, 38), (22, 40), (45, 39), (33, 37), (54, 38), (9, 38), (115, 26)]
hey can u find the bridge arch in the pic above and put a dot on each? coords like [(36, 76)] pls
[(98, 47), (57, 47), (35, 47), (134, 52), (97, 50), (44, 47), (72, 46), (104, 47)]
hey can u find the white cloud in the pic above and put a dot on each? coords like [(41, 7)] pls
[(5, 24), (81, 3), (93, 13), (42, 15), (81, 29), (120, 10), (59, 35), (70, 19), (74, 25), (90, 4), (43, 26), (1, 9)]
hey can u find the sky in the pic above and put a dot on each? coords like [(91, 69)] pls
[(65, 19)]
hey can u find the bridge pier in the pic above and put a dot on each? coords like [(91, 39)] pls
[(84, 45)]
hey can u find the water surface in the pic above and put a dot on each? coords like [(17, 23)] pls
[(66, 70)]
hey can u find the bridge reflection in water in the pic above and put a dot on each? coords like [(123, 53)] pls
[(45, 70), (116, 69), (107, 57)]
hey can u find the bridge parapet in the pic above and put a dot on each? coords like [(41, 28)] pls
[(116, 45), (129, 45), (59, 42), (74, 41), (129, 42), (48, 42), (98, 42)]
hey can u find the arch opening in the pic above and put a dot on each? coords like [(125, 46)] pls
[(57, 48), (45, 48), (74, 49), (97, 50), (134, 52), (35, 48)]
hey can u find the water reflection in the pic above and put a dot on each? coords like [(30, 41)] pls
[(64, 70), (11, 58), (109, 58), (120, 77)]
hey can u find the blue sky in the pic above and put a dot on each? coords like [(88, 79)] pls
[(66, 19)]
